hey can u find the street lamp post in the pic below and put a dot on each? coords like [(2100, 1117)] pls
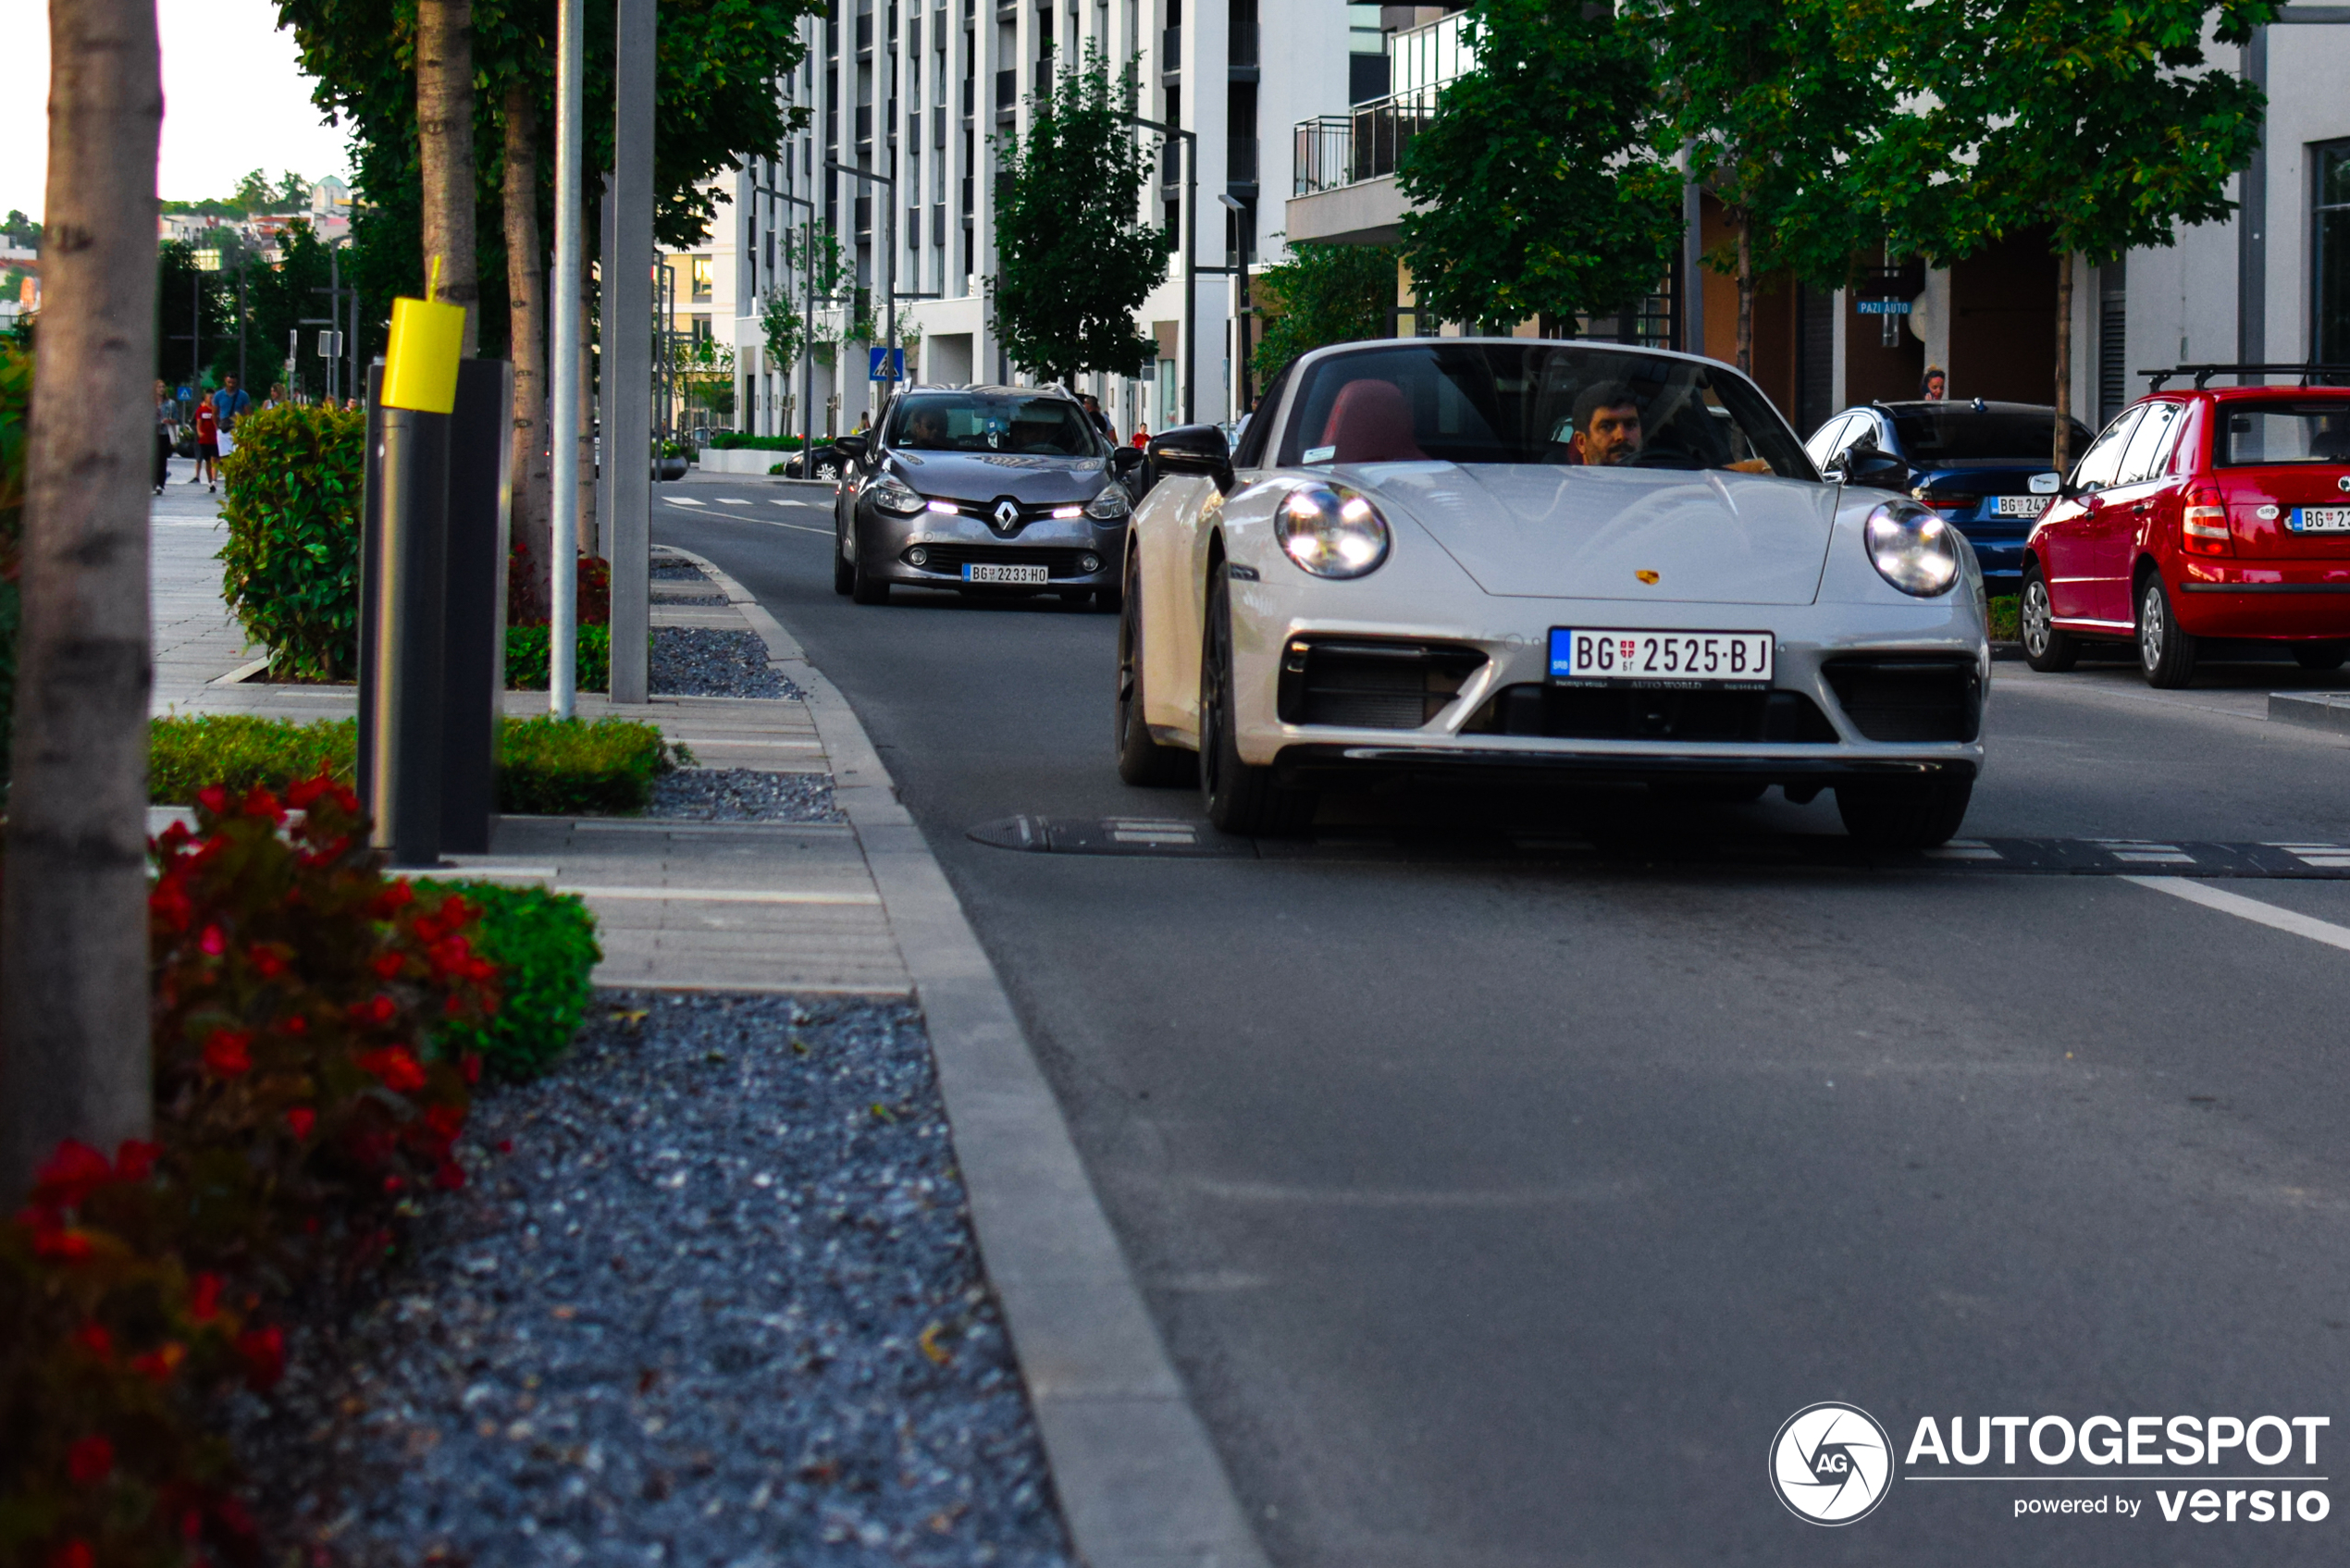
[(808, 329), (889, 243), (1191, 245)]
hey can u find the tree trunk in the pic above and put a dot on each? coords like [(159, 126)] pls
[(1746, 293), (73, 917), (526, 314), (2063, 455), (445, 140)]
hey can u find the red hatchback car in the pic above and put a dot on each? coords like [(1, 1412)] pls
[(2213, 513)]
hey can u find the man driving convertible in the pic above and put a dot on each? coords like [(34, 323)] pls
[(1607, 425)]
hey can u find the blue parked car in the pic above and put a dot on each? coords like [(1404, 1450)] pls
[(1984, 465)]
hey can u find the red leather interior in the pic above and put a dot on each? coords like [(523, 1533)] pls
[(1371, 422)]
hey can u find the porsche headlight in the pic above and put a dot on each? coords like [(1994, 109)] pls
[(1912, 547), (894, 495), (1331, 531), (1111, 505)]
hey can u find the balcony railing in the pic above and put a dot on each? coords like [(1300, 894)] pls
[(1336, 150)]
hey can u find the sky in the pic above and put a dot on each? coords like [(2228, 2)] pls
[(234, 99)]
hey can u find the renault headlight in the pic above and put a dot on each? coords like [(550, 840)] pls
[(894, 495), (1912, 547), (1331, 531), (1111, 505)]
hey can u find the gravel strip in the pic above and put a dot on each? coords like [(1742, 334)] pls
[(694, 662), (711, 1298), (744, 795), (695, 600), (675, 569)]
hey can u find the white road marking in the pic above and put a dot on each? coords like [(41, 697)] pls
[(1964, 849), (2324, 857), (2251, 910), (2144, 852), (732, 500)]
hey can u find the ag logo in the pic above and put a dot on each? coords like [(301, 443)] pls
[(1831, 1464)]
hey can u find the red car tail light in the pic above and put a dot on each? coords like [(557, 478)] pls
[(2203, 526)]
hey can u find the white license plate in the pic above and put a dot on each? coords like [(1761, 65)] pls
[(2019, 506), (974, 571), (2321, 520), (1614, 656)]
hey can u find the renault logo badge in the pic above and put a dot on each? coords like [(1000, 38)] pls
[(1007, 516)]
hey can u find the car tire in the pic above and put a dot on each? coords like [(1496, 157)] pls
[(864, 587), (1141, 761), (2321, 655), (2165, 654), (844, 571), (1241, 797), (1903, 813), (2046, 649)]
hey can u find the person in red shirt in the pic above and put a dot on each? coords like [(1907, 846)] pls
[(207, 444), (1142, 435)]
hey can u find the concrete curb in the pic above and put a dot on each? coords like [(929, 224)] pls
[(1140, 1484), (2311, 710)]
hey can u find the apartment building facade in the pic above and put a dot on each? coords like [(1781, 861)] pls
[(909, 105)]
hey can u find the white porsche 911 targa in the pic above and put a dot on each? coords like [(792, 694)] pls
[(1585, 560)]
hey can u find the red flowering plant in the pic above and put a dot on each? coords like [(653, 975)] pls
[(108, 1349), (300, 1099)]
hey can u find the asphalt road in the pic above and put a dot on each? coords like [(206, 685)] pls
[(1500, 1207)]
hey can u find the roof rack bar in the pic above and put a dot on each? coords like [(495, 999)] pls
[(2203, 373)]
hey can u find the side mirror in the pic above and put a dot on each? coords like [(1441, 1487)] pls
[(1877, 469), (1193, 449), (850, 446), (1125, 460)]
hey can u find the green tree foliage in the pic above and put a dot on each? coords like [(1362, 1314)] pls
[(2097, 124), (186, 295), (1537, 190), (1323, 294), (1075, 257), (714, 87), (1772, 113)]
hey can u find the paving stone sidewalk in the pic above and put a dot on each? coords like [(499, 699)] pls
[(765, 906)]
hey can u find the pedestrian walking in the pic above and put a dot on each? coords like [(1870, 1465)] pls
[(1092, 406), (207, 445), (1142, 435), (167, 432)]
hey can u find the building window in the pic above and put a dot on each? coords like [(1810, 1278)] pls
[(2330, 266), (703, 280)]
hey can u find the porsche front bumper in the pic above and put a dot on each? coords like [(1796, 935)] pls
[(1858, 690)]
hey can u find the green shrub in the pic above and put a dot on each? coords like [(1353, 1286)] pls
[(546, 767), (2005, 624), (526, 649), (290, 567), (735, 440), (562, 768), (243, 752), (544, 945)]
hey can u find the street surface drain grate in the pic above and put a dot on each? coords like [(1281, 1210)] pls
[(2044, 856)]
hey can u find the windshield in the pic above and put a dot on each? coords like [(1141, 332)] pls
[(1958, 433), (2281, 432), (991, 422), (1595, 404)]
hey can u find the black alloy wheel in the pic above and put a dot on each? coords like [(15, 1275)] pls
[(2165, 654), (1241, 797), (1903, 813), (1141, 760), (2046, 649), (2321, 655)]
